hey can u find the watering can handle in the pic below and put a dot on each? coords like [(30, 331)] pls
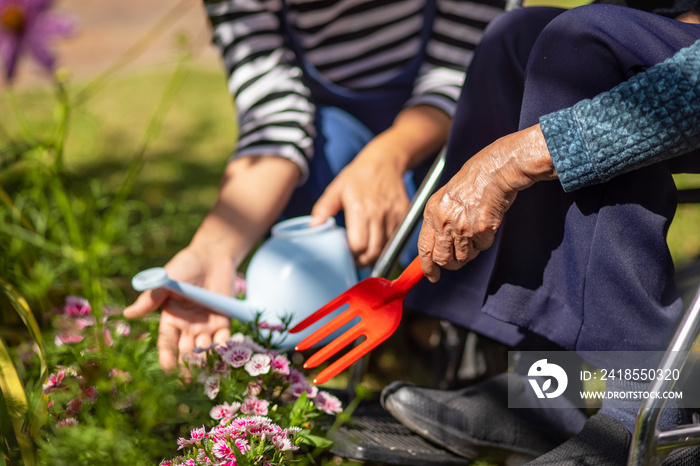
[(227, 306)]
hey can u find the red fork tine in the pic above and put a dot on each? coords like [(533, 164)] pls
[(335, 346), (331, 306), (377, 302), (327, 329), (346, 361)]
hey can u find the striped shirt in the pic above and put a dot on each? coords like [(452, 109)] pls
[(356, 44)]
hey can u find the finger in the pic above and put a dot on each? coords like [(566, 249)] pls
[(202, 340), (356, 224), (185, 345), (375, 242), (426, 240), (443, 249), (168, 337), (147, 302), (326, 206), (462, 248), (222, 336)]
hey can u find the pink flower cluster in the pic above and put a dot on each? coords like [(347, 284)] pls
[(218, 446), (242, 352), (59, 381), (74, 319)]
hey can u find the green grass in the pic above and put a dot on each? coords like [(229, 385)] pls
[(184, 163)]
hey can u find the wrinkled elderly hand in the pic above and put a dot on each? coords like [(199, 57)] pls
[(461, 219)]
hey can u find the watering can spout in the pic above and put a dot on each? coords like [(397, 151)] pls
[(157, 277)]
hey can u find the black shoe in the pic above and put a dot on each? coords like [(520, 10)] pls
[(473, 422), (605, 442)]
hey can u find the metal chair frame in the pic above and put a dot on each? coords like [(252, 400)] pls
[(648, 442)]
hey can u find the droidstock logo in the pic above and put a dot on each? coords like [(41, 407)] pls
[(543, 369)]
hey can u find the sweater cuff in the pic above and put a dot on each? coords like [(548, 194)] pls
[(568, 150)]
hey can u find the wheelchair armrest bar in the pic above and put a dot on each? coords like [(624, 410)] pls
[(645, 436), (679, 436)]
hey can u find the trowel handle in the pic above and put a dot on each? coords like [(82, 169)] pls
[(225, 305)]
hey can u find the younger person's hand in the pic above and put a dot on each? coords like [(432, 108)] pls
[(185, 325)]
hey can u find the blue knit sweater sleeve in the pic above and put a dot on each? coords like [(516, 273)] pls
[(653, 116)]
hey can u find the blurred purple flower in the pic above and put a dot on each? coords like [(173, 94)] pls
[(239, 285), (75, 305), (29, 26)]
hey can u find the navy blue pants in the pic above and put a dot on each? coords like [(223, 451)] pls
[(588, 270)]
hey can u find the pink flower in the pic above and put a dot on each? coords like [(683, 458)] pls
[(67, 338), (28, 26), (252, 405), (258, 364), (166, 463), (211, 386), (280, 365), (295, 377), (198, 433), (238, 356), (254, 389), (297, 389), (328, 403), (283, 443), (122, 328), (54, 382), (271, 327), (222, 449), (90, 395), (75, 405), (121, 375), (77, 306), (265, 431), (68, 422), (107, 337), (248, 406), (225, 410), (239, 285)]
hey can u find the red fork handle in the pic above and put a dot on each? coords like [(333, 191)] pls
[(409, 277)]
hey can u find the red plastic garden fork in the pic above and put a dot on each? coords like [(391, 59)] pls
[(377, 302)]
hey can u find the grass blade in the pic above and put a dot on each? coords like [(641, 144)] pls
[(25, 313), (15, 405)]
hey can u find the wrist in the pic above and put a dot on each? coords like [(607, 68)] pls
[(533, 157), (417, 133)]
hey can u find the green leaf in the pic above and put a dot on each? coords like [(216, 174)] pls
[(25, 313), (240, 458), (12, 391), (316, 441), (298, 411), (8, 440)]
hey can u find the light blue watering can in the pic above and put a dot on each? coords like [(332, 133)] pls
[(295, 272)]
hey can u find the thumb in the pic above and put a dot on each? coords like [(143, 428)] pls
[(327, 206), (146, 303)]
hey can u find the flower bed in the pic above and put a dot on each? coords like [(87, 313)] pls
[(108, 402)]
